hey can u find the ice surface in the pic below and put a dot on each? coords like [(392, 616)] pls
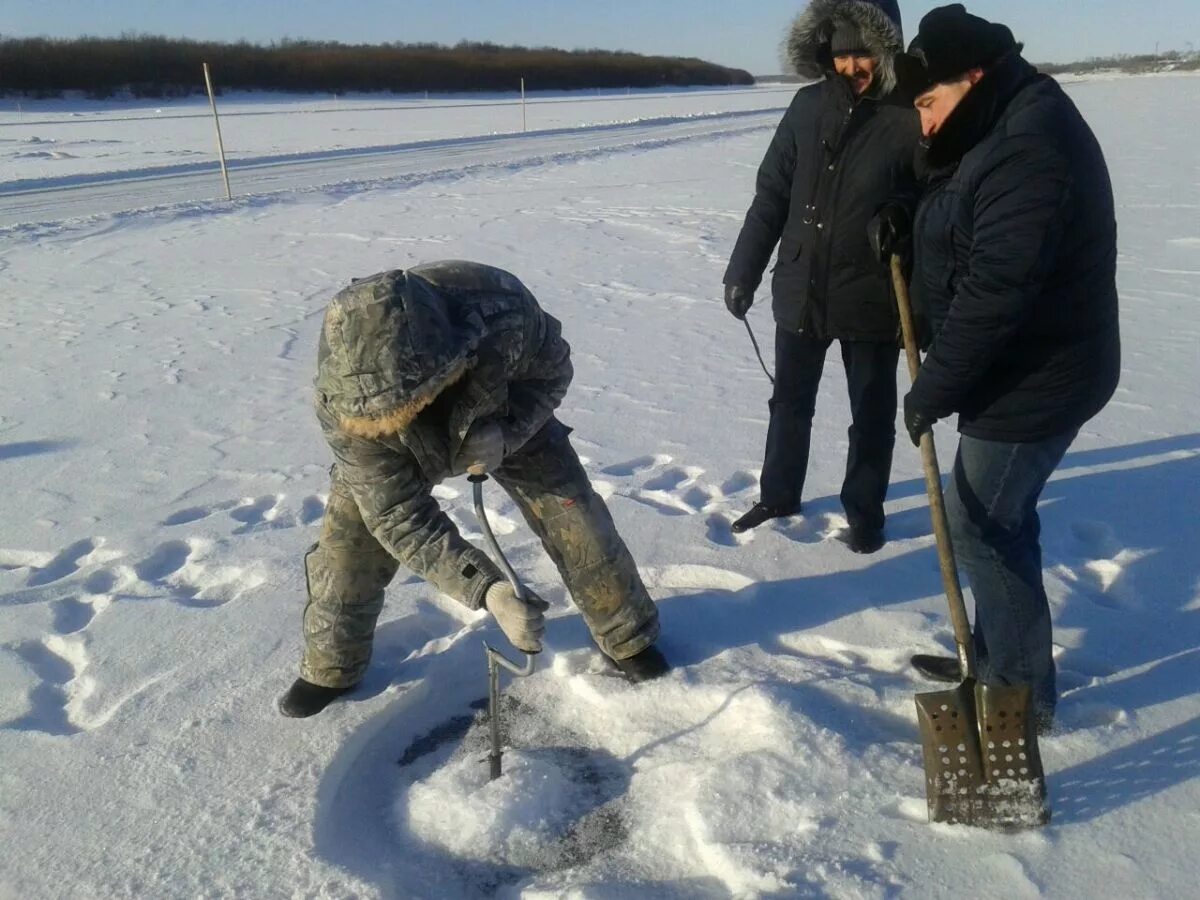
[(162, 476)]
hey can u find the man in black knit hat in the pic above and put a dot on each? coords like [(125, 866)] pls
[(1014, 245), (845, 145)]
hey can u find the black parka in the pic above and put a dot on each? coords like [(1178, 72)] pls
[(834, 160), (1015, 247)]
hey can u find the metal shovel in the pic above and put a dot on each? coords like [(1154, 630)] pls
[(495, 659), (982, 765)]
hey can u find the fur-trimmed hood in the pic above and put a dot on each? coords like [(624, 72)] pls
[(387, 350), (420, 357), (807, 45)]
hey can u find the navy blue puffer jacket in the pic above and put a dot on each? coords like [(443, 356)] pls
[(1015, 244)]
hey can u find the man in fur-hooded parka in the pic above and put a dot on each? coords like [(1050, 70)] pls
[(412, 367), (838, 155)]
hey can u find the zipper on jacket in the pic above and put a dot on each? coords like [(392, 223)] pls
[(825, 229), (812, 213)]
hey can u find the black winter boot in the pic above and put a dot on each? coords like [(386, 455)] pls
[(865, 540), (947, 669), (304, 699), (644, 666), (938, 668), (760, 513)]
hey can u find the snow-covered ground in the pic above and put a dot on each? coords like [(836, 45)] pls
[(56, 139), (162, 474), (1117, 75)]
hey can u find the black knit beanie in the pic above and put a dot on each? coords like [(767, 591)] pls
[(951, 41)]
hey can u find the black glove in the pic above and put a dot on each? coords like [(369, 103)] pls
[(739, 300), (917, 421), (888, 231)]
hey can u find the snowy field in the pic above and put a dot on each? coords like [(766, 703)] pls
[(57, 139), (162, 474)]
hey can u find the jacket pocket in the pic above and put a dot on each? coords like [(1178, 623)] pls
[(790, 248)]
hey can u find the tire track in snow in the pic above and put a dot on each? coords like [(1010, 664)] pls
[(44, 203)]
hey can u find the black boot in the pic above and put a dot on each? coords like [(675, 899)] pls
[(865, 540), (304, 699), (644, 666), (760, 513), (938, 668), (947, 669)]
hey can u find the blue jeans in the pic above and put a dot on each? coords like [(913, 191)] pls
[(992, 506)]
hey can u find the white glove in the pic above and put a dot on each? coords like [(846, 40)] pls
[(482, 450), (522, 622)]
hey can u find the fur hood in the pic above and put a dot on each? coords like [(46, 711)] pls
[(807, 45), (388, 349)]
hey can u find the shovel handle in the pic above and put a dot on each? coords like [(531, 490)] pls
[(933, 487)]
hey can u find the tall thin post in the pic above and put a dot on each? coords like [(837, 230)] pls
[(212, 99), (524, 120)]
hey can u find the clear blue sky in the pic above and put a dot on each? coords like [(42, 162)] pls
[(743, 34)]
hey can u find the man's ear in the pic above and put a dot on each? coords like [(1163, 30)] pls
[(974, 76)]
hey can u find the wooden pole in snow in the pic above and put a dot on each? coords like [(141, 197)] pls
[(212, 99), (524, 121)]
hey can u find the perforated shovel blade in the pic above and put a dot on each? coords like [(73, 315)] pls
[(982, 765), (953, 761), (1012, 762)]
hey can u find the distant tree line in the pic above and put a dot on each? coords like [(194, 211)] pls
[(147, 66), (1172, 61)]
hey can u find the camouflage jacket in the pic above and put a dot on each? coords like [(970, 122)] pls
[(408, 362)]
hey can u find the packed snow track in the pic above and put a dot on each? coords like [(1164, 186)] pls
[(53, 200)]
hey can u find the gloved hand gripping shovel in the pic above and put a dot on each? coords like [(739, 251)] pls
[(982, 765), (495, 659)]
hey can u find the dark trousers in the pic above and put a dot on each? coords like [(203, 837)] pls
[(991, 503), (871, 378)]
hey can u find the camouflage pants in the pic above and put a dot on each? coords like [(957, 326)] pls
[(348, 569)]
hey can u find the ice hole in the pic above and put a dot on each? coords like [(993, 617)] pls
[(553, 808)]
